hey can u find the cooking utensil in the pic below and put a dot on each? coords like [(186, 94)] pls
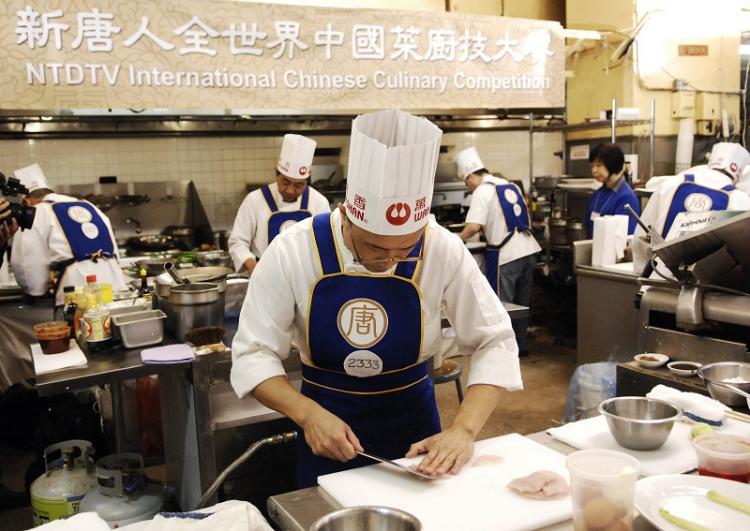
[(638, 422), (193, 305), (214, 258), (367, 518), (132, 199), (409, 469), (152, 242), (169, 268), (101, 201), (153, 266), (726, 372), (182, 233), (684, 368)]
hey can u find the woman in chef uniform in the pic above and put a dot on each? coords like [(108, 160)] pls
[(273, 208), (607, 165), (696, 191), (360, 292), (69, 236)]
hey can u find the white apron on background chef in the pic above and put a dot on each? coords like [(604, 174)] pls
[(271, 209), (679, 204), (360, 293), (499, 211), (69, 236)]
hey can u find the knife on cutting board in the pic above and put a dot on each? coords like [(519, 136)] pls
[(409, 469)]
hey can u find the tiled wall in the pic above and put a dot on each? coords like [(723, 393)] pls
[(221, 166)]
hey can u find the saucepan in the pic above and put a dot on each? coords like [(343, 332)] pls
[(367, 518)]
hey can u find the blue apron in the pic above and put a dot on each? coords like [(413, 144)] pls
[(517, 220), (719, 199), (86, 232), (278, 218), (351, 314)]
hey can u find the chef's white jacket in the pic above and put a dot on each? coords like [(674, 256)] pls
[(37, 249), (657, 209), (275, 309), (485, 210), (249, 238)]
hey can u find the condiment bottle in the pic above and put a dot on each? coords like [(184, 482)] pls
[(70, 307)]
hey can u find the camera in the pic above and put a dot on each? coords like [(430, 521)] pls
[(11, 187)]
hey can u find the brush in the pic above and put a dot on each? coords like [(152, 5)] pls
[(207, 337)]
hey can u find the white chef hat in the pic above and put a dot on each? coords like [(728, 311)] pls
[(729, 157), (468, 161), (32, 177), (296, 156), (392, 161)]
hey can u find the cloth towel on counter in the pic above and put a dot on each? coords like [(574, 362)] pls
[(232, 515), (78, 522), (698, 408), (178, 353), (44, 363)]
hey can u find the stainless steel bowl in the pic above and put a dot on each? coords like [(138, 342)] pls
[(721, 372), (638, 422), (367, 518)]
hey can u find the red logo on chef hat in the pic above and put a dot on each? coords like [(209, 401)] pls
[(303, 170), (733, 167), (398, 214)]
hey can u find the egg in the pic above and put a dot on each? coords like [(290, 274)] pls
[(599, 513)]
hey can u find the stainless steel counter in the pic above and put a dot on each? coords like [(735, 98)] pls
[(297, 510)]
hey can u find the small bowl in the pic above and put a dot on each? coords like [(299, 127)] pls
[(639, 422), (53, 336), (366, 518), (651, 359), (684, 368)]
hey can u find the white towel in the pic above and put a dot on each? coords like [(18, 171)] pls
[(701, 408), (231, 515), (77, 522)]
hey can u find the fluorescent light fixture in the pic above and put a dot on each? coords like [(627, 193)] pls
[(582, 34)]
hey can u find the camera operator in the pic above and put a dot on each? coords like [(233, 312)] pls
[(69, 236), (8, 227)]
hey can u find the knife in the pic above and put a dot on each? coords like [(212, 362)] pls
[(409, 469)]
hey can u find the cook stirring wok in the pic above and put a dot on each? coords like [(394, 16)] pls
[(360, 293)]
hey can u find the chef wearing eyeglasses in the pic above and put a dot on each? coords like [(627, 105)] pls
[(360, 292)]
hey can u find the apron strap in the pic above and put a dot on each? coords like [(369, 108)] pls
[(325, 244), (269, 198), (406, 270), (305, 198)]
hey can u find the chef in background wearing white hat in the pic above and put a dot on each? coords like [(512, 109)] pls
[(271, 209), (676, 204), (69, 236), (498, 210), (360, 292)]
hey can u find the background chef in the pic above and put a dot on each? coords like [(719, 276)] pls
[(267, 211), (69, 236), (707, 188), (499, 211), (360, 292)]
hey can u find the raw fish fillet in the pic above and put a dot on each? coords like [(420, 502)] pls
[(541, 485)]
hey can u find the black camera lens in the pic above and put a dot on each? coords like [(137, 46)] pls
[(24, 215)]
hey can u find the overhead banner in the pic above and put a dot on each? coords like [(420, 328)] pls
[(258, 58)]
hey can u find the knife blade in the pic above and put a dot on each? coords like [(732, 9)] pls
[(397, 465)]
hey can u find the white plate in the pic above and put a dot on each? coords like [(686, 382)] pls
[(685, 496), (662, 359)]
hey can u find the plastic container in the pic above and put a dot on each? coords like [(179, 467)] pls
[(53, 336), (723, 456), (138, 329), (602, 486)]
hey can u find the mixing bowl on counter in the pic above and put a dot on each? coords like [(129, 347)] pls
[(638, 422), (736, 373)]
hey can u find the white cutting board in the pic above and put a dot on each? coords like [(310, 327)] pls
[(476, 499), (676, 456)]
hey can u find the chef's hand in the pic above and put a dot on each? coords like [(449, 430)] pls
[(447, 451), (250, 264), (329, 436)]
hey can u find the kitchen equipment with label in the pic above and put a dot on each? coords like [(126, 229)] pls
[(475, 499), (67, 479), (123, 495)]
